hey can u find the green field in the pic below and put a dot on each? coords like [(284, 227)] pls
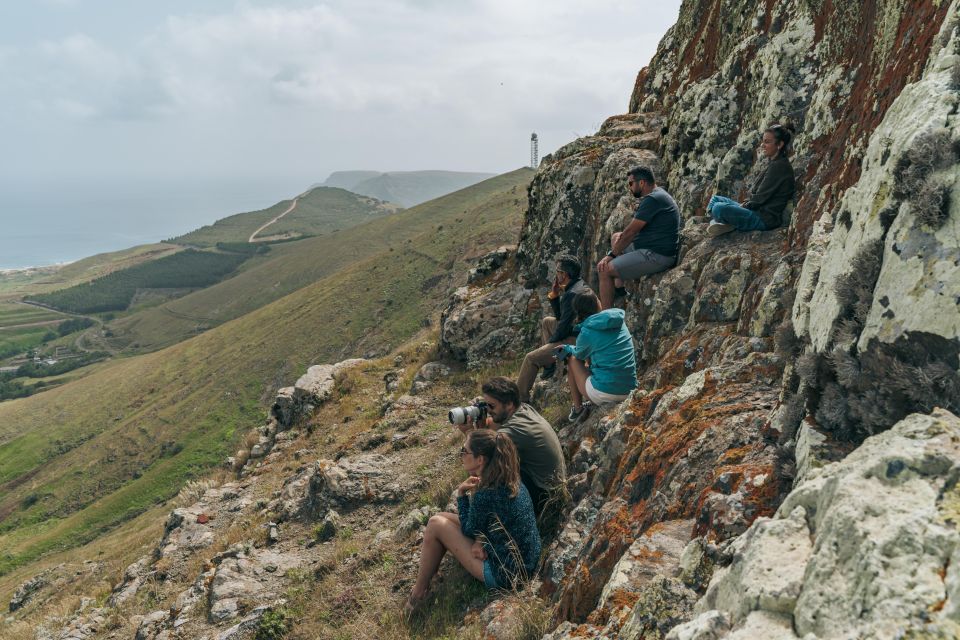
[(23, 327), (293, 265), (17, 314), (321, 210), (14, 340), (78, 460), (115, 291)]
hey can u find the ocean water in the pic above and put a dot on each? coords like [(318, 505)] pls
[(41, 225)]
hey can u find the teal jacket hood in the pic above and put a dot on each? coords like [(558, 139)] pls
[(609, 320), (606, 342)]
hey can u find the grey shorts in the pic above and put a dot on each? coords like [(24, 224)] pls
[(636, 263)]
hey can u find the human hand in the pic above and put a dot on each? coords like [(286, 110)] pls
[(468, 485), (604, 265), (556, 289), (478, 551)]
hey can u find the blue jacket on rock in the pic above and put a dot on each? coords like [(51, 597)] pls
[(605, 340)]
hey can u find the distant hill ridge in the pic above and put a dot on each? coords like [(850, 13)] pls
[(406, 188)]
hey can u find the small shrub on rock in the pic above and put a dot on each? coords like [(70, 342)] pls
[(273, 625)]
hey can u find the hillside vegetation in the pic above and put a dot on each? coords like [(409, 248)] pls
[(80, 459), (115, 291), (320, 210), (293, 265), (17, 284), (407, 188)]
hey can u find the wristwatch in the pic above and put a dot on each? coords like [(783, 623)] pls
[(611, 254)]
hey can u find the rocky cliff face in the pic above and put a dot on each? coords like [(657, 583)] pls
[(823, 332), (788, 466)]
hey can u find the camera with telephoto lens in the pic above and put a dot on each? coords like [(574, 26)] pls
[(477, 411)]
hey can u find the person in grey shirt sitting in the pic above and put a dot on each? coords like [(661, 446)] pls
[(649, 244)]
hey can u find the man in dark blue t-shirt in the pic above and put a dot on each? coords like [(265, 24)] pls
[(649, 244)]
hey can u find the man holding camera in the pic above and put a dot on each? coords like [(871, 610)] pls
[(542, 468), (557, 329)]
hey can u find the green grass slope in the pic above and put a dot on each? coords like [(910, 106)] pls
[(410, 188), (82, 458), (320, 210), (290, 266)]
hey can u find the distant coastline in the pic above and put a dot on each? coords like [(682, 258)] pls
[(50, 268)]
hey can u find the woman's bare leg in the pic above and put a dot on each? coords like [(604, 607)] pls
[(452, 517), (440, 536), (577, 378)]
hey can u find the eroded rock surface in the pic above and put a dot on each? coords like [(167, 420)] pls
[(864, 548)]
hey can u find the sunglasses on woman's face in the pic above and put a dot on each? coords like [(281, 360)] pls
[(464, 451)]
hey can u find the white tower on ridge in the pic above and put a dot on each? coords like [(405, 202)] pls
[(534, 152)]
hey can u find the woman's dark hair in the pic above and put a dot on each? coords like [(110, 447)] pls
[(570, 264), (782, 133), (503, 390), (503, 465), (585, 305), (642, 173)]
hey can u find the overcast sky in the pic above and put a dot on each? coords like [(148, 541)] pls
[(107, 90)]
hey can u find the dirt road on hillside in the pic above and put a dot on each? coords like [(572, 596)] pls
[(293, 205)]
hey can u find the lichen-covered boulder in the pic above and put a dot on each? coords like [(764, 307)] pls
[(483, 325), (492, 263), (865, 547), (352, 481)]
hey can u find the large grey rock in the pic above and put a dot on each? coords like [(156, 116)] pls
[(311, 390), (245, 579), (427, 375), (27, 590), (866, 547), (317, 384), (343, 485), (767, 571), (491, 263), (355, 480), (656, 553), (481, 325)]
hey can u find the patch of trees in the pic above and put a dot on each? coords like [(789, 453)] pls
[(73, 325), (244, 248), (186, 269)]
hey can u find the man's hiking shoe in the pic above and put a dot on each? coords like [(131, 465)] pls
[(619, 292), (718, 228), (578, 414), (548, 371)]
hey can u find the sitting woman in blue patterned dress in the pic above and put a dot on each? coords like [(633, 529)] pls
[(495, 535)]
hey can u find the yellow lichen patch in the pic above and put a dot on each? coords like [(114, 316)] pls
[(949, 505)]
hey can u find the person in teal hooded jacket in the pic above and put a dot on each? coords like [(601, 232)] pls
[(606, 343)]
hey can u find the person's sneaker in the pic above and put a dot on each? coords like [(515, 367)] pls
[(718, 228), (577, 414), (547, 372)]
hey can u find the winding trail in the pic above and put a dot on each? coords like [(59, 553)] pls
[(293, 205)]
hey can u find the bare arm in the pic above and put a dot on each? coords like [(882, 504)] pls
[(628, 235)]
